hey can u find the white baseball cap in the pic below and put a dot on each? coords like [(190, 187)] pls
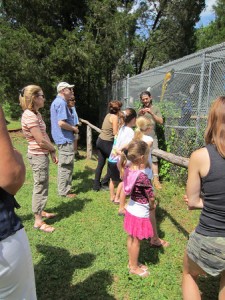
[(63, 85)]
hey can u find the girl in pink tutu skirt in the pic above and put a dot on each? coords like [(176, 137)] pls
[(136, 184)]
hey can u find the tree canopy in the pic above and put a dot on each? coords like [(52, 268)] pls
[(89, 43), (214, 33)]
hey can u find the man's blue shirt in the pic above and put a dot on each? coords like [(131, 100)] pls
[(75, 116), (60, 112)]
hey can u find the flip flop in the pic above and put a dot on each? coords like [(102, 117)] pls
[(116, 202), (162, 243), (48, 215), (141, 266), (121, 214), (45, 227), (143, 274)]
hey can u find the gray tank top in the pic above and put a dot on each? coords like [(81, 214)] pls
[(212, 219)]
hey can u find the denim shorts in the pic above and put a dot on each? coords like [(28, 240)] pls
[(207, 252)]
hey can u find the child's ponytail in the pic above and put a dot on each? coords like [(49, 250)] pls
[(142, 124), (122, 162), (138, 134)]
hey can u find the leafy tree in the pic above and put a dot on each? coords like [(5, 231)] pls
[(45, 17), (214, 33), (169, 31), (52, 41), (90, 43)]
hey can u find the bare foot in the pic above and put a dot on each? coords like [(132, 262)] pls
[(159, 243), (139, 272)]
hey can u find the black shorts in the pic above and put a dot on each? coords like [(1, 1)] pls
[(114, 172)]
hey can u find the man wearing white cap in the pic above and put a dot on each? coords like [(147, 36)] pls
[(63, 130)]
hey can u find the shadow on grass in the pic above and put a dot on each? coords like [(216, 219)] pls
[(88, 171), (68, 208), (64, 210), (161, 214), (84, 186), (55, 273), (150, 254), (87, 180), (209, 286)]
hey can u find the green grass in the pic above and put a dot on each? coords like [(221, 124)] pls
[(13, 124), (86, 257)]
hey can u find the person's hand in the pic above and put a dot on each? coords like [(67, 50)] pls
[(152, 206), (75, 129), (185, 198), (148, 110), (141, 111), (118, 152), (54, 157)]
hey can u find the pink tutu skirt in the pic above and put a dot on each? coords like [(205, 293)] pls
[(140, 228)]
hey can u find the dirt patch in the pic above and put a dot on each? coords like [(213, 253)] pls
[(16, 133)]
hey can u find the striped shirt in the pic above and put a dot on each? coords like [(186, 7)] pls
[(29, 120)]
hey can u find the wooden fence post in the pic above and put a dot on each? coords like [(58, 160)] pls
[(172, 158), (89, 142)]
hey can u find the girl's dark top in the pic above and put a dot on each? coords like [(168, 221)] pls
[(9, 222), (212, 219)]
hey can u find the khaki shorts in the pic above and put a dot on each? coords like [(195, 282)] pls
[(207, 252)]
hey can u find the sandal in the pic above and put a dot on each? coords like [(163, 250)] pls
[(159, 244), (45, 227), (142, 273), (140, 265), (121, 213), (47, 215), (116, 202)]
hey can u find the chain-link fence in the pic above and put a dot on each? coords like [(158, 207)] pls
[(184, 90)]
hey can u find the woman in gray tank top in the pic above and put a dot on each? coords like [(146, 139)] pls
[(205, 253), (104, 143)]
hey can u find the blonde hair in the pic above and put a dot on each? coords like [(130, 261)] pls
[(142, 124), (134, 153), (215, 131), (27, 95), (121, 117)]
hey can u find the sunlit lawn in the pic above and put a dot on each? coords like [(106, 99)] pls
[(86, 257)]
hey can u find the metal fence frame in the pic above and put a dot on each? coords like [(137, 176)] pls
[(205, 70)]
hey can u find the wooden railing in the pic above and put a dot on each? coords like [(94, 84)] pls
[(172, 158)]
